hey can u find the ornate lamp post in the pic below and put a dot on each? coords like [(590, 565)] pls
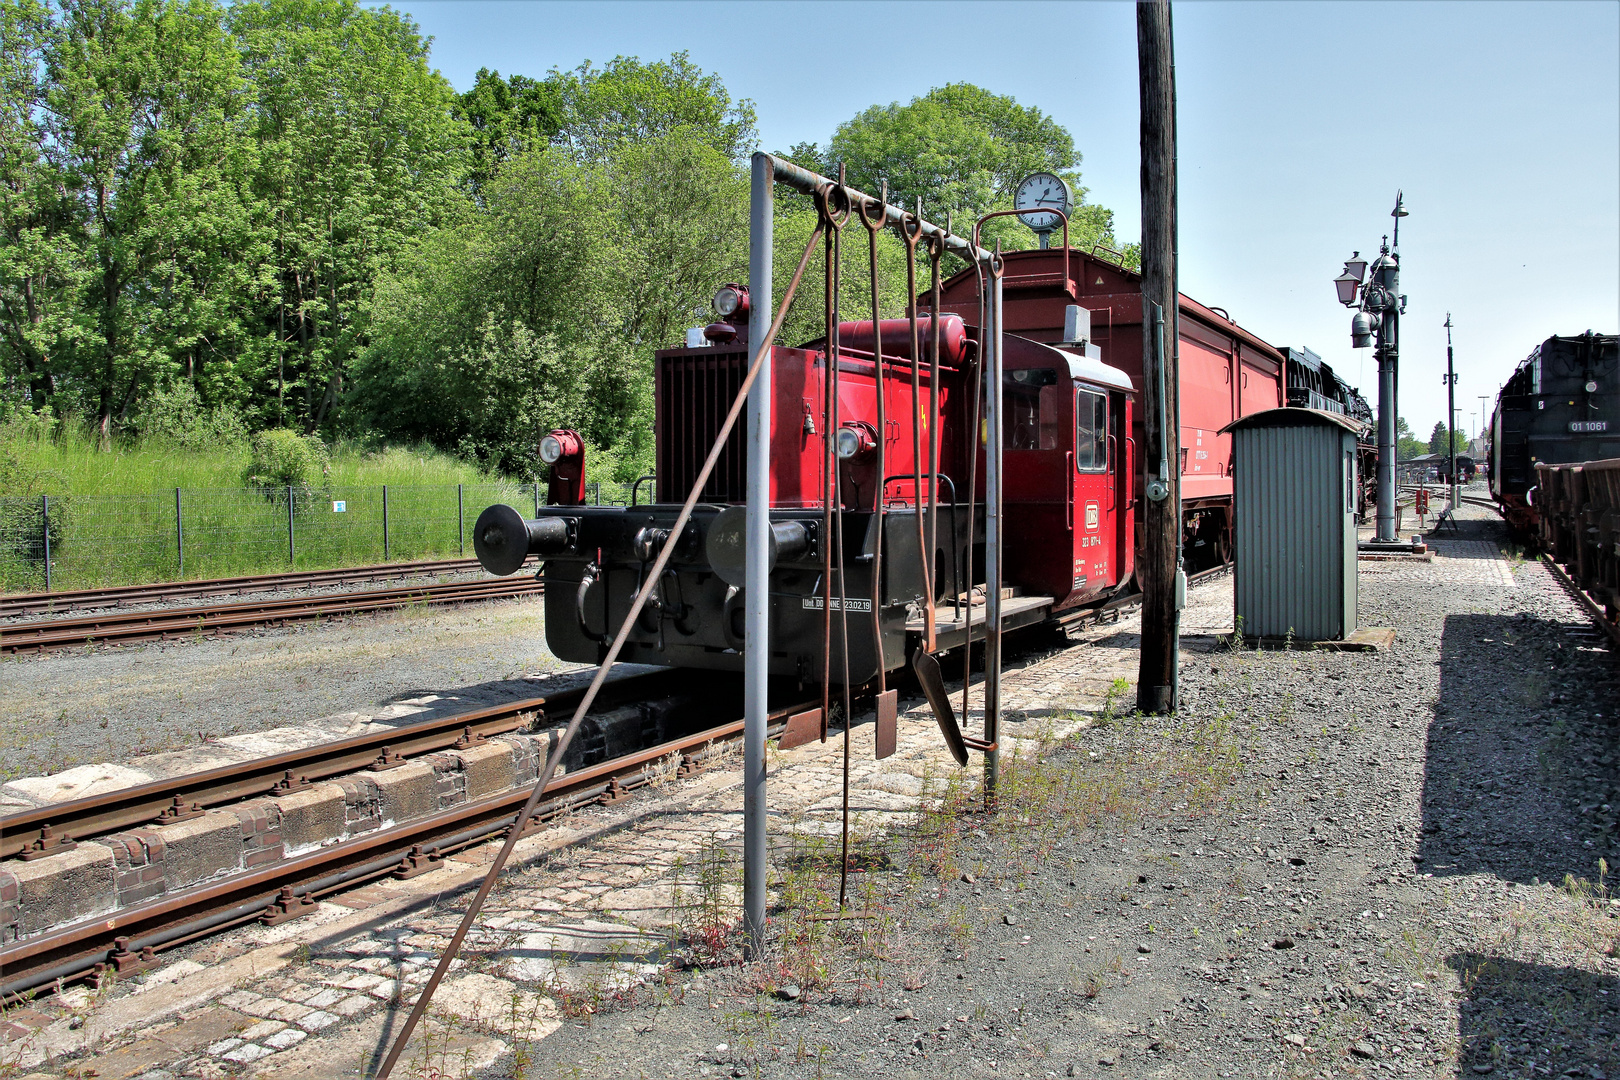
[(1377, 323), (1451, 414)]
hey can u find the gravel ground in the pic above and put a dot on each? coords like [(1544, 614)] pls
[(112, 703), (1327, 864)]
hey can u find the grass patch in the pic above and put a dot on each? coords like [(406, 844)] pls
[(114, 518)]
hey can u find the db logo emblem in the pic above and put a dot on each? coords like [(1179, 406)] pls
[(1091, 515)]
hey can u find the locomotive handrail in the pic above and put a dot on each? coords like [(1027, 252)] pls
[(635, 487)]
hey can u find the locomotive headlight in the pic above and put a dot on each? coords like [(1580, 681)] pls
[(731, 300), (551, 449), (1591, 387), (854, 440)]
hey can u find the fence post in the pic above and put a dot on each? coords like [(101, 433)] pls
[(385, 522), (292, 551), (45, 524), (461, 522), (179, 535), (537, 498)]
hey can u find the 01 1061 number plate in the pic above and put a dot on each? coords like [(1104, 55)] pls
[(1587, 426)]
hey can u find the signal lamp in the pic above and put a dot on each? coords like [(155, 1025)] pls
[(731, 300)]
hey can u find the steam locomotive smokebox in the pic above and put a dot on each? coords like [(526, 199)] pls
[(1295, 525)]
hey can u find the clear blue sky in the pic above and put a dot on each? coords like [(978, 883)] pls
[(1297, 123)]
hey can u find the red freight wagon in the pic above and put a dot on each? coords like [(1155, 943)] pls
[(1226, 372)]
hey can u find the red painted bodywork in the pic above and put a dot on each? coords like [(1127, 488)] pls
[(693, 388), (1226, 372)]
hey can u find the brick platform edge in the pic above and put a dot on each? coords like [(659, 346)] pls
[(104, 875)]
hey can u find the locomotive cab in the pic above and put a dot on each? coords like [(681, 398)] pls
[(1067, 456)]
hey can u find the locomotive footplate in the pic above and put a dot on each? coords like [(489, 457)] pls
[(951, 624)]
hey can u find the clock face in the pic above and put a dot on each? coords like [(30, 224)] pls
[(1039, 191)]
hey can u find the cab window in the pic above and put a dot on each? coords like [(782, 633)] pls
[(1090, 431), (1031, 400)]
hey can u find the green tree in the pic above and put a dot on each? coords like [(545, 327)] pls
[(507, 117), (361, 156), (962, 150), (144, 118), (1437, 438), (543, 308), (42, 263), (1407, 445), (629, 101)]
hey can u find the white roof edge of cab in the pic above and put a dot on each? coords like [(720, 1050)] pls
[(1085, 368)]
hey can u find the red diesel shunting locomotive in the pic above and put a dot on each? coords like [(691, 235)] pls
[(1074, 477)]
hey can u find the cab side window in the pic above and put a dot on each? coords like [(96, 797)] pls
[(1031, 401), (1090, 431)]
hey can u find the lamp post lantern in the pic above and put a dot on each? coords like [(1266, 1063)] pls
[(1377, 324)]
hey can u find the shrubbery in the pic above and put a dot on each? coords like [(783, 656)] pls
[(283, 459), (177, 417)]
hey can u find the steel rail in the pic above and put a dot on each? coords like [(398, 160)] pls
[(1592, 608), (83, 950), (166, 623), (155, 803), (74, 599)]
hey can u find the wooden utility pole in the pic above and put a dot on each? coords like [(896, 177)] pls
[(1161, 519)]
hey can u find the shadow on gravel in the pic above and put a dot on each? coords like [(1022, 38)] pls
[(1510, 776), (1563, 1019), (483, 695)]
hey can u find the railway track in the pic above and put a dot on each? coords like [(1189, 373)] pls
[(168, 623), (126, 595), (129, 941), (162, 802)]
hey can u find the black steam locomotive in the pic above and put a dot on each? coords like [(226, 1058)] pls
[(1313, 384), (1561, 405)]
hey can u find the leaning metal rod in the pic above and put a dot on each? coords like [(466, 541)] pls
[(585, 702), (936, 248), (911, 236), (836, 283), (880, 386)]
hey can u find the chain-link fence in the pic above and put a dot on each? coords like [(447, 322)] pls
[(86, 541)]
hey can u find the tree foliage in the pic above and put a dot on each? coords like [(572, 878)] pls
[(962, 150), (507, 117), (276, 215), (360, 155), (1437, 440)]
